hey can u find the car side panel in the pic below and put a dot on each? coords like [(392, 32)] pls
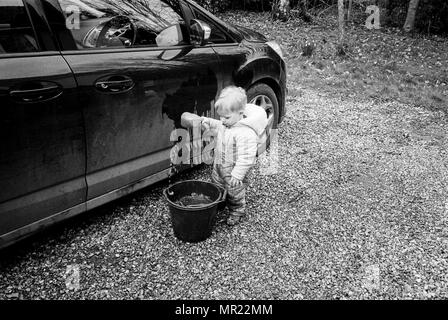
[(42, 157)]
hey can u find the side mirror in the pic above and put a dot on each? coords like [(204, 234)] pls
[(199, 32), (171, 36)]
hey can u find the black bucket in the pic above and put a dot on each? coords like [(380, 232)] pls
[(194, 224)]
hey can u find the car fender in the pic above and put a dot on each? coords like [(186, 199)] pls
[(257, 69), (266, 70)]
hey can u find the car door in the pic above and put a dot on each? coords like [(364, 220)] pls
[(137, 73), (42, 145)]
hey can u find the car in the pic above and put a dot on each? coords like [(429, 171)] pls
[(90, 91)]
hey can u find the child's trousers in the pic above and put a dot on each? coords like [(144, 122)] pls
[(236, 196)]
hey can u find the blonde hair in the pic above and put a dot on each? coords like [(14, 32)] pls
[(231, 99)]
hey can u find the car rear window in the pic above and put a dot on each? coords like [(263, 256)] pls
[(16, 32)]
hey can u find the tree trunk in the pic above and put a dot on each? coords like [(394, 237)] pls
[(410, 19), (350, 8), (341, 20), (280, 10)]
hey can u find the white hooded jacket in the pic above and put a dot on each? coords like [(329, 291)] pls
[(237, 146)]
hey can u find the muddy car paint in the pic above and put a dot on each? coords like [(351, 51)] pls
[(145, 115)]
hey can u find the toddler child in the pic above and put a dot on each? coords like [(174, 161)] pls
[(237, 136)]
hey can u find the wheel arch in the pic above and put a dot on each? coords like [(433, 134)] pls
[(264, 71)]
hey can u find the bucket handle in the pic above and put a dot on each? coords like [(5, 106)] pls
[(221, 199)]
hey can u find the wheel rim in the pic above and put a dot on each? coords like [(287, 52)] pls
[(266, 103)]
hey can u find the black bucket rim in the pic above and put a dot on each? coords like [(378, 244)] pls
[(221, 199)]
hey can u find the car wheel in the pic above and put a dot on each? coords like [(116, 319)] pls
[(262, 95)]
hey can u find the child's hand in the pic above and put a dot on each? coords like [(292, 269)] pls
[(234, 182), (188, 119), (205, 125)]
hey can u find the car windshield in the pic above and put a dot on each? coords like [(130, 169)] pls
[(154, 15), (221, 22)]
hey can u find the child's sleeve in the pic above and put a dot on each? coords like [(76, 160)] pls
[(212, 123), (246, 149), (189, 120)]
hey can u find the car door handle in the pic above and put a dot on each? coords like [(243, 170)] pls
[(36, 92), (115, 84)]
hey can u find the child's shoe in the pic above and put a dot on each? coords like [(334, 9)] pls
[(233, 220)]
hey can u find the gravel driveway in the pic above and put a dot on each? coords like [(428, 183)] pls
[(358, 209)]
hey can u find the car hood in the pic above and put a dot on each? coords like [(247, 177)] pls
[(249, 34)]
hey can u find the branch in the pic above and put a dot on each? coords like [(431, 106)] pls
[(325, 10)]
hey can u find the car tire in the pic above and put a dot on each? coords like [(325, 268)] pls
[(262, 95)]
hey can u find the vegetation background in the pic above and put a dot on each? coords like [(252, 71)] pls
[(431, 15)]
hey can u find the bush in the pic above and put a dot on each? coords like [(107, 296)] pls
[(215, 5), (222, 5), (432, 15)]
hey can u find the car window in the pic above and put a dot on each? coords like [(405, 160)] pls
[(216, 36), (16, 32), (121, 24)]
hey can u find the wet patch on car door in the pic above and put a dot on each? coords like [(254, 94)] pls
[(204, 86)]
